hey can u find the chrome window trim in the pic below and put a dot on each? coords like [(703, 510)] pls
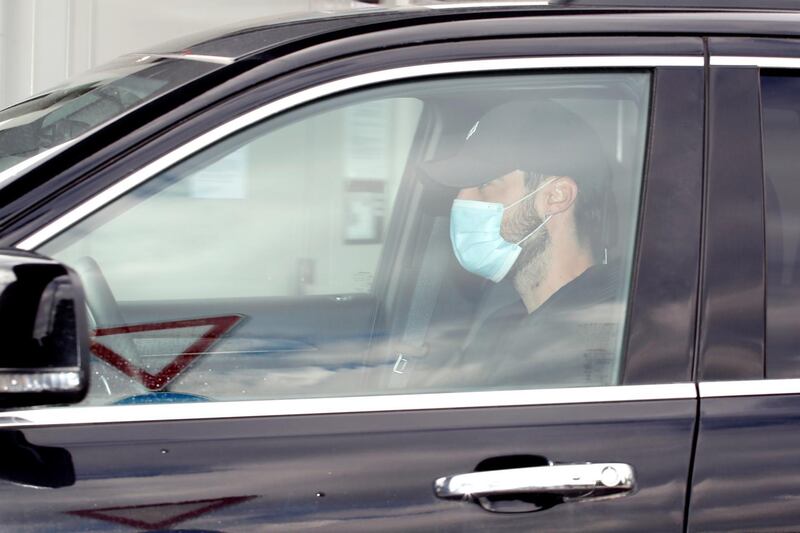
[(756, 387), (10, 174), (69, 416), (754, 61), (362, 80)]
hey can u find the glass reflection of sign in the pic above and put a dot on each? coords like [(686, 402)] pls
[(367, 140), (161, 516), (224, 179), (364, 212), (367, 136), (126, 362)]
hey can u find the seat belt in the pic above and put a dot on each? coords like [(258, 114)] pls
[(423, 301)]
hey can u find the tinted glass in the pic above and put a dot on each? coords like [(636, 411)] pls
[(781, 130), (313, 254), (96, 97)]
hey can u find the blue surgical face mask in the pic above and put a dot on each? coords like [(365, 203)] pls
[(477, 243)]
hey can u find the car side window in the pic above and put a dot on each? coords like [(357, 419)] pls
[(452, 234), (781, 131), (297, 210)]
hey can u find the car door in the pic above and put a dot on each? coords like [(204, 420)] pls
[(745, 474), (308, 194)]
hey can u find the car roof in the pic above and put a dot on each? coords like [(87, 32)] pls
[(261, 35)]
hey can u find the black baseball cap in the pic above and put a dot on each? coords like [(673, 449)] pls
[(539, 136)]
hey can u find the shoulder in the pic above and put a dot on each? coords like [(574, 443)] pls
[(598, 284)]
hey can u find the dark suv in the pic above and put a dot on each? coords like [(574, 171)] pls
[(444, 268)]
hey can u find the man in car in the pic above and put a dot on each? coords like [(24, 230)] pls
[(532, 207)]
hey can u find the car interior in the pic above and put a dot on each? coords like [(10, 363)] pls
[(322, 304)]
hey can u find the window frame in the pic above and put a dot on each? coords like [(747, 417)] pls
[(631, 389)]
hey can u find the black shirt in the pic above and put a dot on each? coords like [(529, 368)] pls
[(573, 339)]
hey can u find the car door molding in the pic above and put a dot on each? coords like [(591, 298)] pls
[(760, 387), (299, 98), (754, 61), (69, 416)]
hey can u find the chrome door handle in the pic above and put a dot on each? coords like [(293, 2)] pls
[(571, 481)]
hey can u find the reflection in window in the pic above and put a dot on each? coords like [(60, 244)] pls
[(264, 219), (781, 127), (312, 255)]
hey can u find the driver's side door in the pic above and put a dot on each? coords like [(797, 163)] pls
[(269, 297)]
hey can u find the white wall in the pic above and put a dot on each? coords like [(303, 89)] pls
[(44, 42)]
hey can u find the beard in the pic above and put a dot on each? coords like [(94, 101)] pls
[(532, 263)]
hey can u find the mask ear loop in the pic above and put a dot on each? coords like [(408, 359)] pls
[(546, 219), (537, 189)]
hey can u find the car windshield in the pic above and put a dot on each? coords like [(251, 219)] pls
[(32, 129)]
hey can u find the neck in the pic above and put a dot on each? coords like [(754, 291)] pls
[(558, 266)]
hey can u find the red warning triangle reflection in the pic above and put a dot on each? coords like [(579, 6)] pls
[(160, 515), (219, 326)]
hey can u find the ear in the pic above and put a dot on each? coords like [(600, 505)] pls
[(557, 196)]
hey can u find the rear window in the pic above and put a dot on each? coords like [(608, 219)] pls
[(781, 126)]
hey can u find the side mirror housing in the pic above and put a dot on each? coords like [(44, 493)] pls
[(44, 336)]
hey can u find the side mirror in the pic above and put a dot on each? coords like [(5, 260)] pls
[(44, 336)]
